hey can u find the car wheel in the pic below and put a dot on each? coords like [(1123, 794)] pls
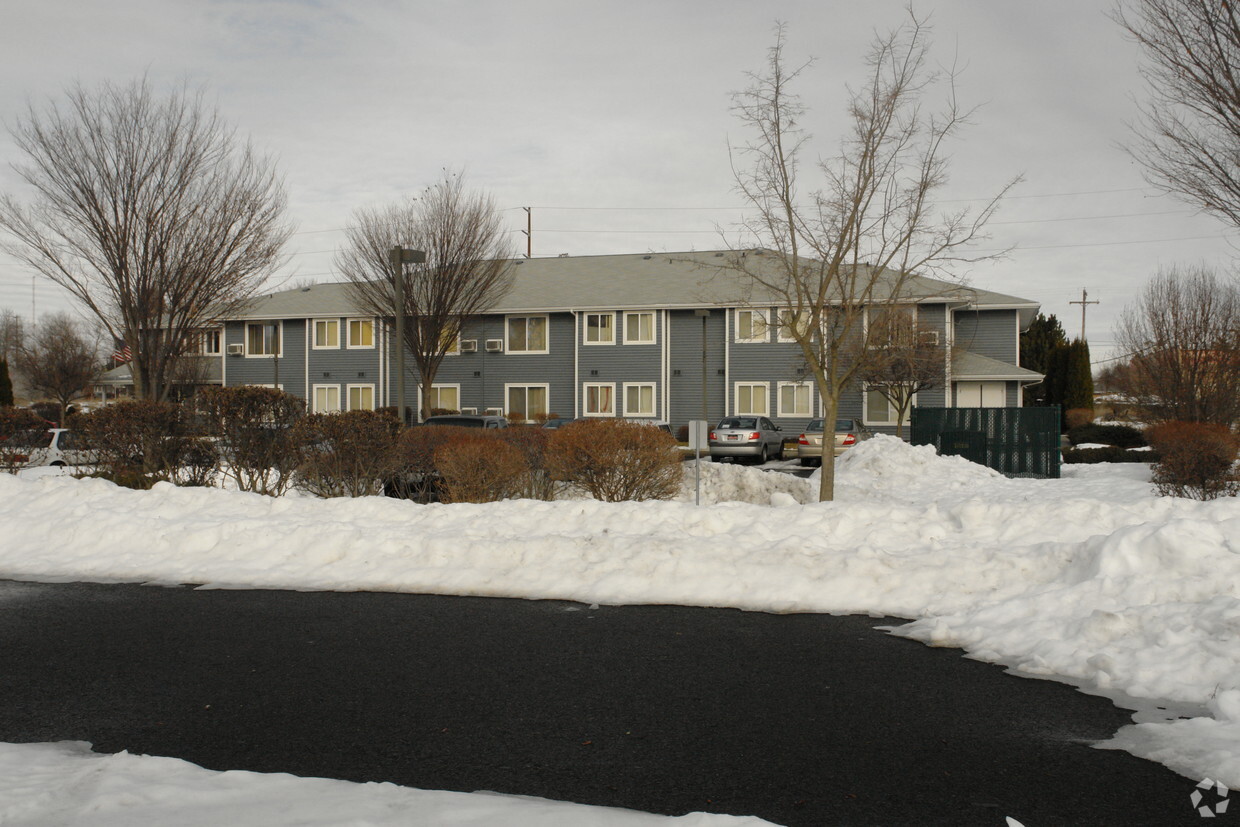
[(806, 462), (762, 455)]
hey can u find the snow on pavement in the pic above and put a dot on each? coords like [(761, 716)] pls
[(1091, 579)]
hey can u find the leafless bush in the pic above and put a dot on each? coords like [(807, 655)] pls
[(136, 443), (18, 427), (1196, 460), (347, 454), (615, 460), (255, 425), (478, 467)]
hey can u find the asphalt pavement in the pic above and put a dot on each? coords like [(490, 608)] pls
[(800, 719)]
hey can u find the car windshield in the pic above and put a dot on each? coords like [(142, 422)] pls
[(458, 421), (738, 422), (845, 425)]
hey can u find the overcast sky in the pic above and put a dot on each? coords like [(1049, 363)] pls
[(611, 120)]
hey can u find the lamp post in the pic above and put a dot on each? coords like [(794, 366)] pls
[(398, 257)]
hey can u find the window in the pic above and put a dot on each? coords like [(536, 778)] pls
[(210, 342), (326, 333), (326, 398), (600, 329), (263, 338), (451, 340), (446, 397), (525, 401), (639, 328), (751, 325), (639, 399), (981, 394), (361, 333), (791, 320), (751, 398), (892, 324), (880, 411), (600, 399), (527, 334), (795, 399), (361, 397)]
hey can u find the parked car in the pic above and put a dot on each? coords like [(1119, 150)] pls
[(848, 432), (467, 421), (754, 438), (53, 446)]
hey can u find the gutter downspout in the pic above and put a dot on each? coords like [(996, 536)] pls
[(576, 365)]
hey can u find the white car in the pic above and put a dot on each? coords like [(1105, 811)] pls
[(54, 446)]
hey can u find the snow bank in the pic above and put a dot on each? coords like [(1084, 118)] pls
[(1090, 579), (66, 785)]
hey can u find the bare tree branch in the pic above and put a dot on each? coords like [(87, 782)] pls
[(149, 211), (468, 267), (59, 360)]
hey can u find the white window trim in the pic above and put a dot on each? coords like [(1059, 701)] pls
[(454, 349), (913, 310), (314, 397), (585, 328), (981, 391), (585, 395), (547, 327), (764, 313), (348, 333), (653, 340), (439, 386), (348, 396), (779, 400), (219, 342), (766, 397), (507, 385), (779, 323), (654, 398), (245, 338), (314, 335)]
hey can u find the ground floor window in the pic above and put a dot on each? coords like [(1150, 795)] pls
[(326, 398), (751, 398), (795, 399), (361, 397), (879, 410), (639, 399), (445, 397), (600, 399), (526, 402), (981, 394)]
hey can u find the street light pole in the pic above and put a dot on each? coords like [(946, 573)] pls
[(398, 257)]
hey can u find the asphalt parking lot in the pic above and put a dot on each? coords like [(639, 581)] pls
[(799, 719)]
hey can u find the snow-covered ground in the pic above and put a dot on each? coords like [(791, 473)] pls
[(1090, 579)]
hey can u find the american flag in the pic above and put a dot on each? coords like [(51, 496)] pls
[(122, 353)]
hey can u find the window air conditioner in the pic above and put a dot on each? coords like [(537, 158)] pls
[(469, 345), (495, 345), (236, 350)]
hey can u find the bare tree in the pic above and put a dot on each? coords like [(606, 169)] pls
[(149, 211), (468, 267), (856, 244), (59, 360), (906, 358), (1188, 138), (1184, 336), (12, 333)]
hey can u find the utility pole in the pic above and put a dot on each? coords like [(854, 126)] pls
[(529, 231), (398, 258), (1083, 302)]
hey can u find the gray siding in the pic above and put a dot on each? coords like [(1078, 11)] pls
[(288, 371), (685, 358), (988, 332)]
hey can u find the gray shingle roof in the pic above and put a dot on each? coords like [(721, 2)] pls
[(612, 282), (973, 366)]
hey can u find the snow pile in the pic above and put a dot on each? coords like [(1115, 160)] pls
[(66, 785), (1090, 579)]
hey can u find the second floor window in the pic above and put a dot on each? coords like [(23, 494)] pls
[(639, 328), (262, 339), (527, 334), (361, 333), (600, 328), (326, 333), (211, 342), (751, 326)]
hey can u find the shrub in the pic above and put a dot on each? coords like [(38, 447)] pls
[(1196, 460), (1076, 417), (479, 467), (256, 427), (136, 443), (1111, 453), (413, 473), (615, 460), (1122, 436), (347, 454), (18, 429), (444, 411), (537, 484)]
